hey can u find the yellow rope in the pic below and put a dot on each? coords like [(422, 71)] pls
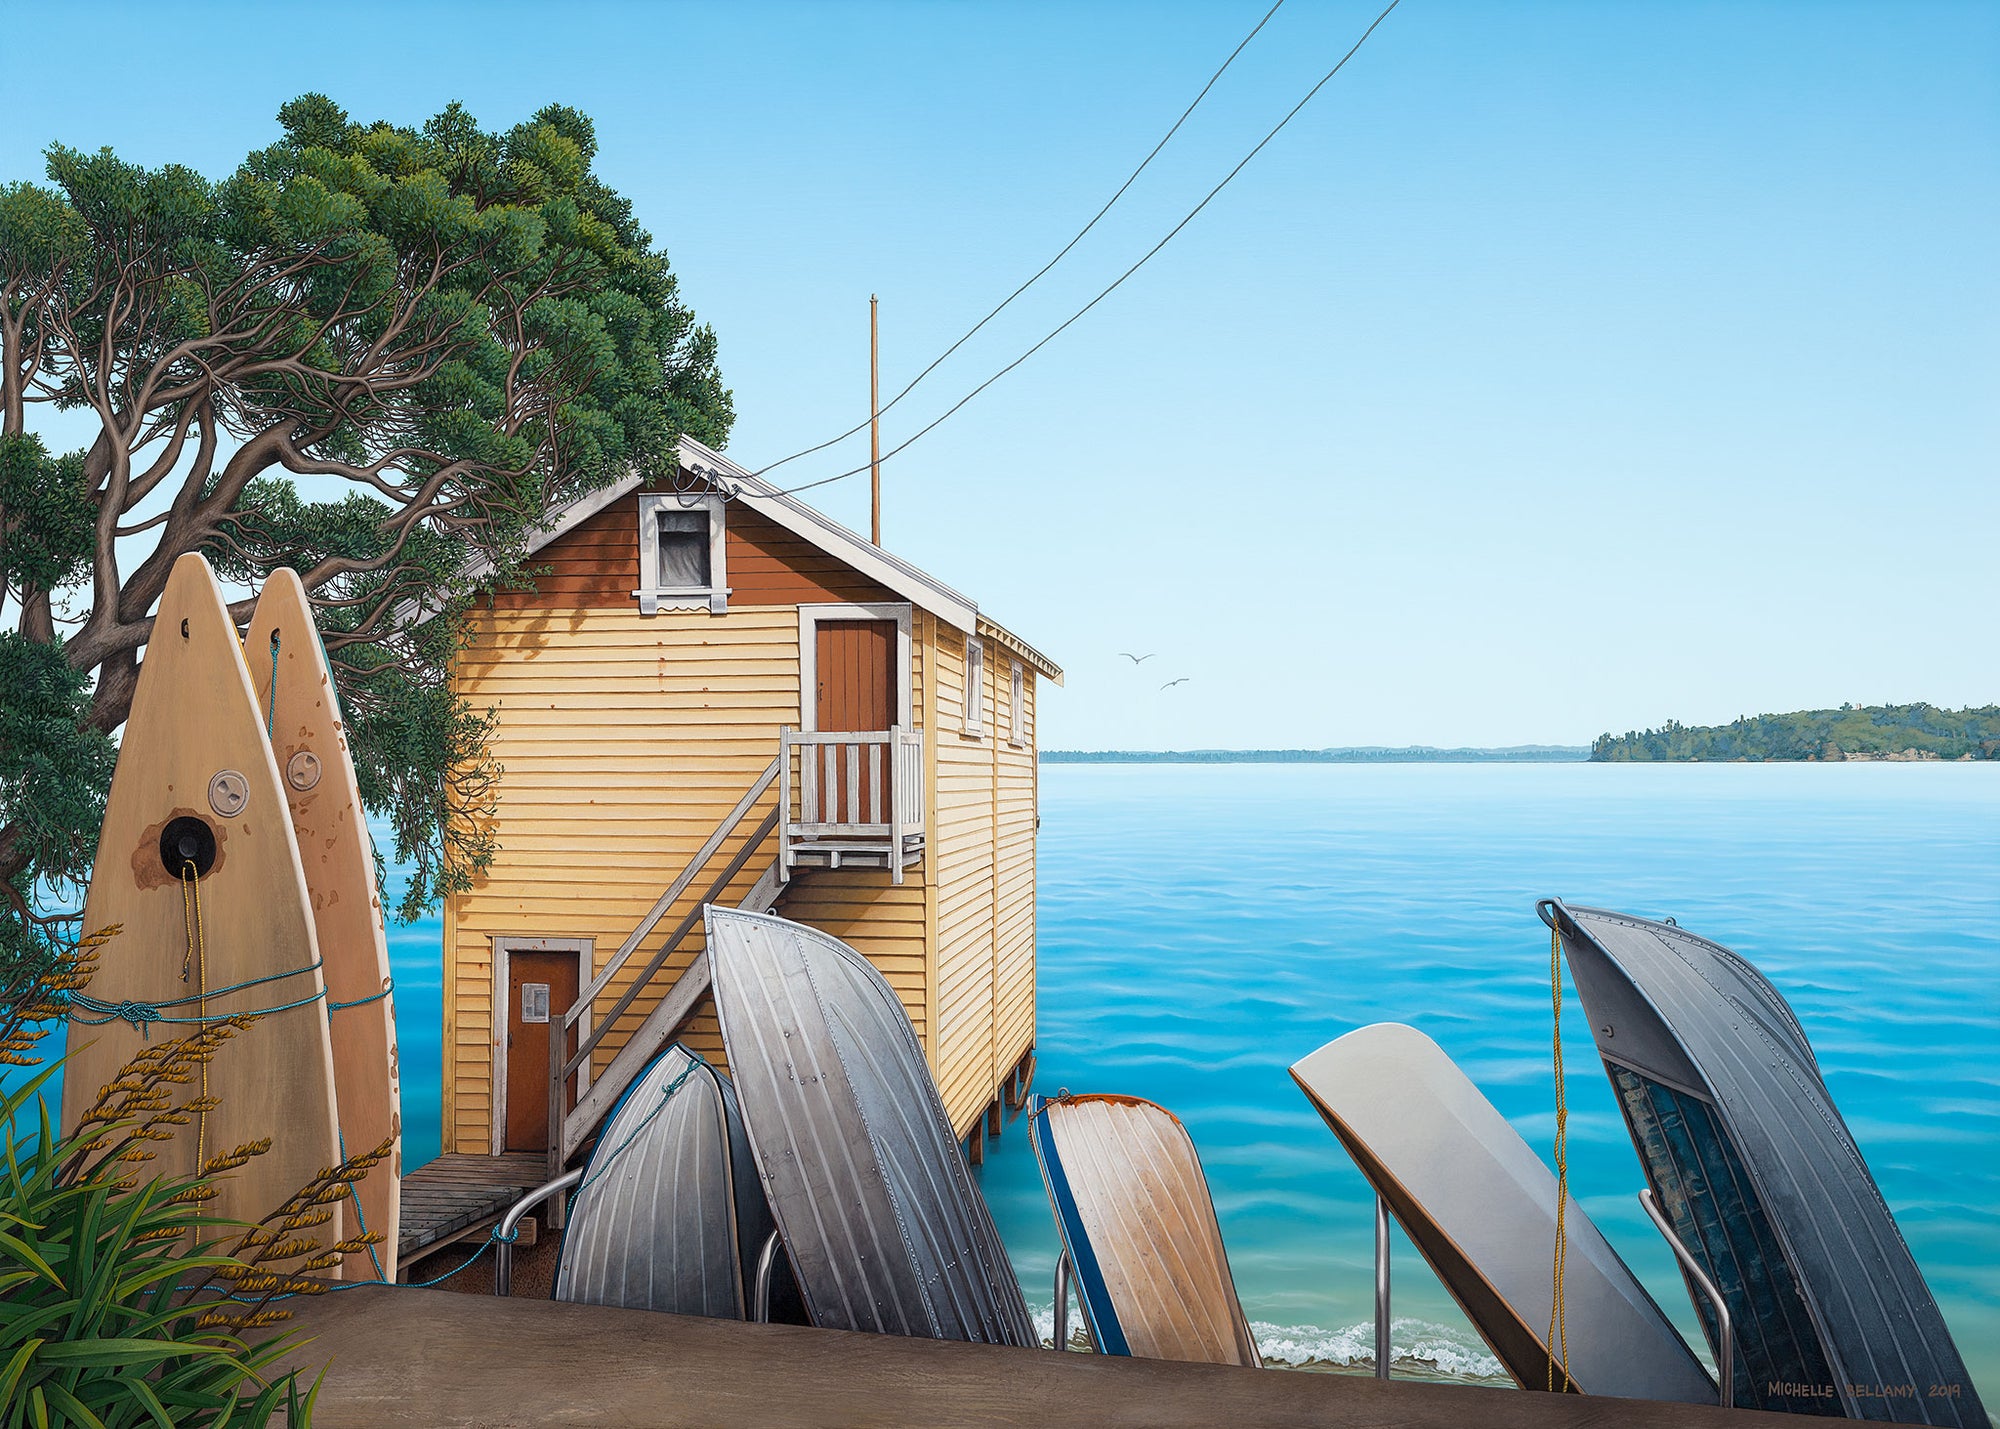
[(1558, 1311), (197, 956)]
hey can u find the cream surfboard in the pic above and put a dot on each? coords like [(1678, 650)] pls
[(197, 860), (309, 742)]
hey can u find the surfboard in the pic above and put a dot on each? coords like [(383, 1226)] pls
[(1479, 1204), (884, 1227), (1136, 1217), (198, 861), (301, 712)]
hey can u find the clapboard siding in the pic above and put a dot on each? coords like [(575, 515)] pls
[(624, 739), (596, 565)]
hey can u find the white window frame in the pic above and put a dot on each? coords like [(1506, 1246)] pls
[(502, 1004), (1017, 734), (974, 713), (902, 612), (653, 597)]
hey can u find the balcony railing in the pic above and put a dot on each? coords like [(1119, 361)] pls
[(852, 798)]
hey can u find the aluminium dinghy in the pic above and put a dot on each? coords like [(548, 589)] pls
[(1139, 1228), (1760, 1179), (878, 1212), (1480, 1205), (669, 1215)]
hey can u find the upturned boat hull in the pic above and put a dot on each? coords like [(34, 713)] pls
[(1479, 1204), (1140, 1229), (1760, 1178), (885, 1230)]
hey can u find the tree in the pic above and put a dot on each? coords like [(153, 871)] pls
[(372, 353)]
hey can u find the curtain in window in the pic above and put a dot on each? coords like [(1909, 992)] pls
[(683, 550)]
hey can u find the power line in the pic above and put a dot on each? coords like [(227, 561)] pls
[(831, 441), (1120, 279)]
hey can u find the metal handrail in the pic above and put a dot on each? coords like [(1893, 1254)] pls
[(766, 1258), (1725, 1339), (503, 1255), (1383, 1349), (1064, 1273)]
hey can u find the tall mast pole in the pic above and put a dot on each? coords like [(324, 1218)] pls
[(874, 428)]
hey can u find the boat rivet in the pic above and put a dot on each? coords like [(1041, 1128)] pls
[(302, 770), (228, 792)]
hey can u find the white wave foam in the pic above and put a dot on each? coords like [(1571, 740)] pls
[(1417, 1347), (1421, 1348)]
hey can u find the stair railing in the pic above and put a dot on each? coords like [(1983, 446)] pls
[(564, 1134)]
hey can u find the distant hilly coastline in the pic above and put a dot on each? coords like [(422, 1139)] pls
[(1902, 732), (1358, 754)]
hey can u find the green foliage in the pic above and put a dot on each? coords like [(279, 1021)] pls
[(1878, 731), (91, 1331), (54, 771), (46, 515), (375, 353)]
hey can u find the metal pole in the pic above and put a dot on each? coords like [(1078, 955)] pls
[(503, 1253), (1061, 1334), (874, 428), (765, 1257), (1383, 1351), (1725, 1339)]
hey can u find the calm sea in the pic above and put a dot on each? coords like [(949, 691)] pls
[(1204, 927)]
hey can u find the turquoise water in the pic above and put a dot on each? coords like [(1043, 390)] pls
[(1202, 927)]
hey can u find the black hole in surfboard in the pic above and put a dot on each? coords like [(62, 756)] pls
[(187, 841)]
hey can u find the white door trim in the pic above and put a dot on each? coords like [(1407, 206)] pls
[(810, 616), (503, 1011)]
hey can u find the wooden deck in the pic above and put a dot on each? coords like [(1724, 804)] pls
[(403, 1356), (446, 1199)]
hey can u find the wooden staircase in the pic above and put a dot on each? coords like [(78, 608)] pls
[(569, 1131), (852, 800)]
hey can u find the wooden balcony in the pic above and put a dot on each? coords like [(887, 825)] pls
[(851, 800)]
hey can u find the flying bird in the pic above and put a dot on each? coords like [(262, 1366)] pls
[(1138, 659), (1181, 681)]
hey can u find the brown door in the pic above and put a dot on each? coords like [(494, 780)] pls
[(856, 664), (540, 989)]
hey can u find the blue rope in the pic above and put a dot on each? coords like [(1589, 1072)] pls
[(142, 1014), (354, 1193), (332, 1006), (665, 1097), (493, 1236)]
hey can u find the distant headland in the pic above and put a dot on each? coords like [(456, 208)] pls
[(1358, 754), (1903, 732)]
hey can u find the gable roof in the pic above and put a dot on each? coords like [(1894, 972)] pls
[(828, 535)]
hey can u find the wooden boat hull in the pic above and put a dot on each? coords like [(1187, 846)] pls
[(194, 749), (1480, 1206), (884, 1227), (670, 1214), (1139, 1225), (309, 743), (1751, 1163)]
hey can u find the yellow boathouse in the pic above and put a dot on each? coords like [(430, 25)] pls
[(716, 694)]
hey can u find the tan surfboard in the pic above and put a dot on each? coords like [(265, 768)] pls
[(198, 862), (309, 742)]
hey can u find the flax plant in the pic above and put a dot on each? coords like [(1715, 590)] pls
[(121, 1301)]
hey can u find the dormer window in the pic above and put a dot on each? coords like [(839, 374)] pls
[(682, 562)]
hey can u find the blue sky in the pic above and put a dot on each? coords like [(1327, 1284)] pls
[(1562, 367)]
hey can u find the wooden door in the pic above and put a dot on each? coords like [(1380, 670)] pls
[(857, 674), (540, 988), (856, 668)]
